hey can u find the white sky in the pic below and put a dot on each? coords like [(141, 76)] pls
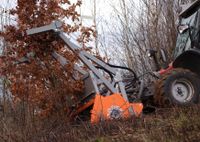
[(7, 3), (104, 9)]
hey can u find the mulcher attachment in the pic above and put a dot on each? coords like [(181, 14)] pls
[(113, 107)]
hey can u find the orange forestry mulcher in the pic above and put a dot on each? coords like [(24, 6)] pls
[(113, 107)]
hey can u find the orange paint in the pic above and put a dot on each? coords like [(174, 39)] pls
[(82, 108), (85, 106), (163, 71), (115, 105)]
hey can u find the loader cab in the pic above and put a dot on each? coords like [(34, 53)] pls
[(187, 51), (179, 85), (188, 30)]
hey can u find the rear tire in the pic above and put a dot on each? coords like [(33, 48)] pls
[(177, 87)]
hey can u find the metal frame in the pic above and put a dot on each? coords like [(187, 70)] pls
[(89, 60), (189, 8)]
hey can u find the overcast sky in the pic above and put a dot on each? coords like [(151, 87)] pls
[(7, 3), (104, 10), (104, 7)]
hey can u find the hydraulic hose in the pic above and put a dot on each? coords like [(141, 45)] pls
[(124, 68), (119, 67)]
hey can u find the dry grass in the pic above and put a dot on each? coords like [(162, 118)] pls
[(166, 125)]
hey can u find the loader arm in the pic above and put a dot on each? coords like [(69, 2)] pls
[(94, 80), (85, 57)]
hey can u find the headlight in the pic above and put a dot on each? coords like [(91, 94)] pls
[(149, 55), (151, 52), (182, 28)]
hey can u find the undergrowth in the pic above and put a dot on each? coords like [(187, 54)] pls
[(165, 125)]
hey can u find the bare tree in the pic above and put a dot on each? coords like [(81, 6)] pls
[(137, 27), (5, 19)]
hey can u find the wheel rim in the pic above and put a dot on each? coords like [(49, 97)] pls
[(182, 90)]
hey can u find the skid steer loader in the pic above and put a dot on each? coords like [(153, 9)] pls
[(179, 83)]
